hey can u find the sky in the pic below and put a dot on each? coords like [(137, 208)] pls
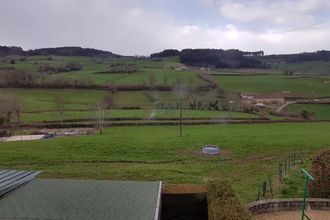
[(141, 27)]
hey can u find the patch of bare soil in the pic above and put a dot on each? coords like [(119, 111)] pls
[(184, 188), (199, 153)]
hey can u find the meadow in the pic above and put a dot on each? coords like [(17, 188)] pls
[(250, 152), (306, 67), (39, 105), (310, 86), (321, 111), (163, 70)]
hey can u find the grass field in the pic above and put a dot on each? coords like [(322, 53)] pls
[(310, 86), (43, 99), (150, 153), (321, 111), (158, 153), (313, 85), (39, 105), (164, 74), (307, 67), (80, 99), (83, 99)]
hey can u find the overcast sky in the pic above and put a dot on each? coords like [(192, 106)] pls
[(140, 27)]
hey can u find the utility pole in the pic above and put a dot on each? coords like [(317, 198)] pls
[(181, 117), (230, 103)]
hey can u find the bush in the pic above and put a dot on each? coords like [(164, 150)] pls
[(223, 203), (306, 114), (2, 121), (60, 68), (320, 187)]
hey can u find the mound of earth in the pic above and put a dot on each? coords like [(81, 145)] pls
[(184, 188)]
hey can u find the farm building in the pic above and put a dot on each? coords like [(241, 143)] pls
[(264, 99), (179, 67), (32, 198)]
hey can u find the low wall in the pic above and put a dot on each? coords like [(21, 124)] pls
[(275, 205)]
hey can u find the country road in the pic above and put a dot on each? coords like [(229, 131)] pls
[(285, 105)]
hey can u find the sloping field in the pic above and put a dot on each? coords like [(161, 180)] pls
[(158, 153), (310, 86)]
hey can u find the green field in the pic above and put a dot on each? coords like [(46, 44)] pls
[(310, 86), (82, 99), (251, 151), (321, 111), (164, 74), (150, 153), (39, 105), (307, 67), (43, 99)]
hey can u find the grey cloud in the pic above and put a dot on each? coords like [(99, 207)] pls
[(134, 27)]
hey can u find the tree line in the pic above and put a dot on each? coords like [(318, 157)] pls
[(235, 58), (322, 55), (59, 51)]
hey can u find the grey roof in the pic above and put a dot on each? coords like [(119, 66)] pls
[(12, 179), (82, 199)]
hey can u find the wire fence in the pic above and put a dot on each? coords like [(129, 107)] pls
[(272, 183)]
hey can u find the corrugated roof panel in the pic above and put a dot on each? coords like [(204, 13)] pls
[(12, 179), (83, 199)]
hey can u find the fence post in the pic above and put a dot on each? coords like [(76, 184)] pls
[(294, 159), (264, 188), (280, 171), (289, 163), (270, 185), (285, 166), (299, 154), (258, 195)]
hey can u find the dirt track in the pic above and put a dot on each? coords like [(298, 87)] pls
[(294, 215)]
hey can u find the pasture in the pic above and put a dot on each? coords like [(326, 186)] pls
[(153, 153), (162, 70), (311, 86), (307, 67), (250, 151), (321, 111)]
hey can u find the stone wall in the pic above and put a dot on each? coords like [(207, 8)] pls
[(275, 205)]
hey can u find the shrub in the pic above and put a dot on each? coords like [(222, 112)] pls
[(306, 114), (223, 203), (60, 68), (320, 187)]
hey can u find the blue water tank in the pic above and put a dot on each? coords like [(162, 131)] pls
[(211, 149)]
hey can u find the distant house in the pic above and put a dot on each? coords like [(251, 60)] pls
[(180, 67), (204, 68), (262, 99)]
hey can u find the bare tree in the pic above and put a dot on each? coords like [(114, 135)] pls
[(165, 80), (152, 80), (9, 105), (108, 100), (106, 103), (99, 110), (60, 104)]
